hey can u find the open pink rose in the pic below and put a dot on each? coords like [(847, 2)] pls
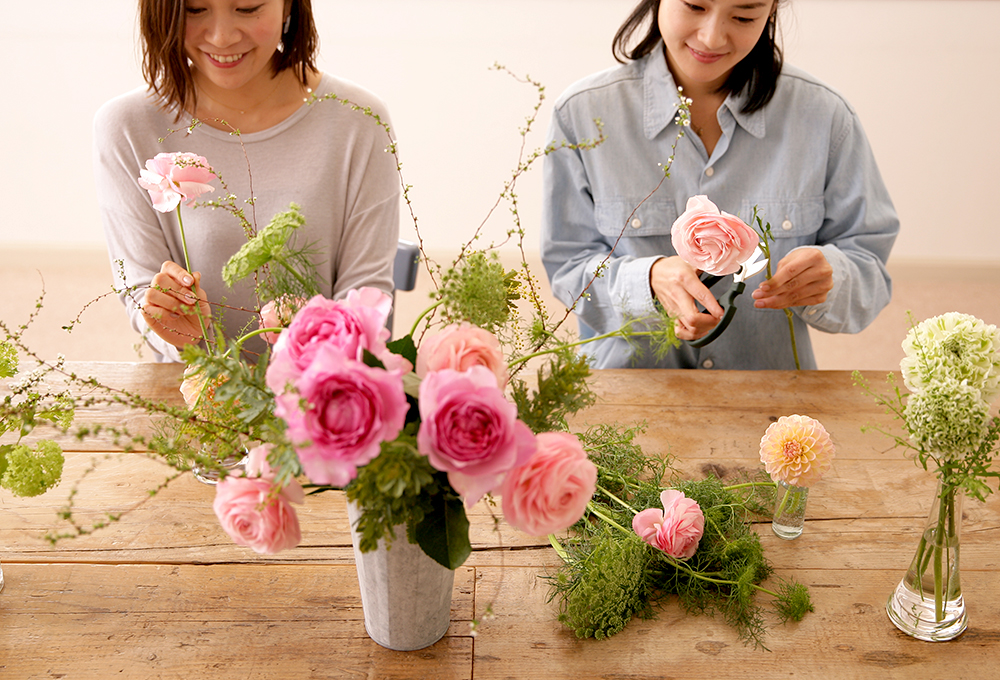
[(551, 491), (470, 430), (677, 529), (711, 240), (174, 177), (460, 346), (350, 409), (278, 314), (351, 325), (254, 513)]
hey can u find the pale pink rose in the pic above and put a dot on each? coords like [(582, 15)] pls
[(350, 409), (470, 430), (256, 514), (352, 326), (551, 491), (711, 240), (796, 450), (174, 177), (278, 314), (193, 386), (460, 346), (677, 529)]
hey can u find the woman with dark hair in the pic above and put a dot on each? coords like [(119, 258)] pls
[(766, 135), (250, 66)]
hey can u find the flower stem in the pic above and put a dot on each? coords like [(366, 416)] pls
[(187, 266)]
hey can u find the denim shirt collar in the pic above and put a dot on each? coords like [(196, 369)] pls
[(661, 101)]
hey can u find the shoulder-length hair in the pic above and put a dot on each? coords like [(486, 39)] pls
[(165, 65), (757, 73)]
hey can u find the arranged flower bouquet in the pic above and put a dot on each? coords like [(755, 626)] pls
[(951, 368)]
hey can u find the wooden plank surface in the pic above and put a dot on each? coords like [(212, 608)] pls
[(165, 593)]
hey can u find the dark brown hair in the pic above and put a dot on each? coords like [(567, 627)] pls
[(165, 65), (757, 73)]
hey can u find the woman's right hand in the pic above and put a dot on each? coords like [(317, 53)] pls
[(676, 285), (169, 306)]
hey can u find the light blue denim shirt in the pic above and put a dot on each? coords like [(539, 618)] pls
[(803, 161)]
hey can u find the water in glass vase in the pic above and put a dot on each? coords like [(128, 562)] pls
[(789, 510)]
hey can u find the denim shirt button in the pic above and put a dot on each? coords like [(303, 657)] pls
[(787, 225), (709, 171), (636, 223), (707, 363)]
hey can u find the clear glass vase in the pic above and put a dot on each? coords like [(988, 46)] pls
[(789, 510), (927, 604)]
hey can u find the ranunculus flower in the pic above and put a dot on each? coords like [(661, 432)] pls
[(278, 314), (470, 430), (953, 345), (350, 409), (351, 325), (711, 240), (460, 346), (551, 491), (254, 513), (796, 450), (174, 177), (677, 529)]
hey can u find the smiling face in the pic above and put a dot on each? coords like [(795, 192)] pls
[(231, 42), (706, 39)]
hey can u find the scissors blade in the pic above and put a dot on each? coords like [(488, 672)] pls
[(752, 266)]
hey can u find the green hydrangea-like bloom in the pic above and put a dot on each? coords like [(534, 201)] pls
[(33, 471), (953, 345), (8, 360), (947, 416), (269, 244)]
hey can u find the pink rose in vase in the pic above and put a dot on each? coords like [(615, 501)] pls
[(279, 314), (174, 177), (550, 492), (459, 347), (253, 513), (711, 240), (352, 326), (677, 529), (470, 430), (339, 414)]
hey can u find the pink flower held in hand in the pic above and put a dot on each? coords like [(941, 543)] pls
[(711, 240), (174, 177), (460, 346), (351, 325), (677, 529), (254, 513), (796, 450), (470, 430), (350, 409), (551, 491)]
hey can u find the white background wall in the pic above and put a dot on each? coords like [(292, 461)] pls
[(921, 73)]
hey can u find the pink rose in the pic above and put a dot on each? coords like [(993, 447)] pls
[(351, 325), (278, 314), (551, 491), (174, 177), (676, 529), (460, 346), (255, 514), (711, 240), (470, 430), (350, 410)]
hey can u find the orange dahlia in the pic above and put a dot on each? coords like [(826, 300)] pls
[(796, 450)]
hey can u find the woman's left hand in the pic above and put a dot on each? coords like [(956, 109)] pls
[(804, 277)]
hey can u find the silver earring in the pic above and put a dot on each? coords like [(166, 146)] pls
[(288, 24)]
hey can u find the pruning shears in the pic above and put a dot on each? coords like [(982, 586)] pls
[(753, 265)]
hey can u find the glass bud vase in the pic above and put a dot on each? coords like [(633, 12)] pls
[(789, 510), (927, 604)]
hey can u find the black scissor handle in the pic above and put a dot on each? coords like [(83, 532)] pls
[(730, 307)]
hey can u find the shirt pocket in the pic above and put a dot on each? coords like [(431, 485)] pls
[(793, 222), (620, 217)]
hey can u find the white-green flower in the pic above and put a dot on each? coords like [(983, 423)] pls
[(953, 345), (947, 417)]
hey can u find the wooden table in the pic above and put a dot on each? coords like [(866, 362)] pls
[(165, 594)]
